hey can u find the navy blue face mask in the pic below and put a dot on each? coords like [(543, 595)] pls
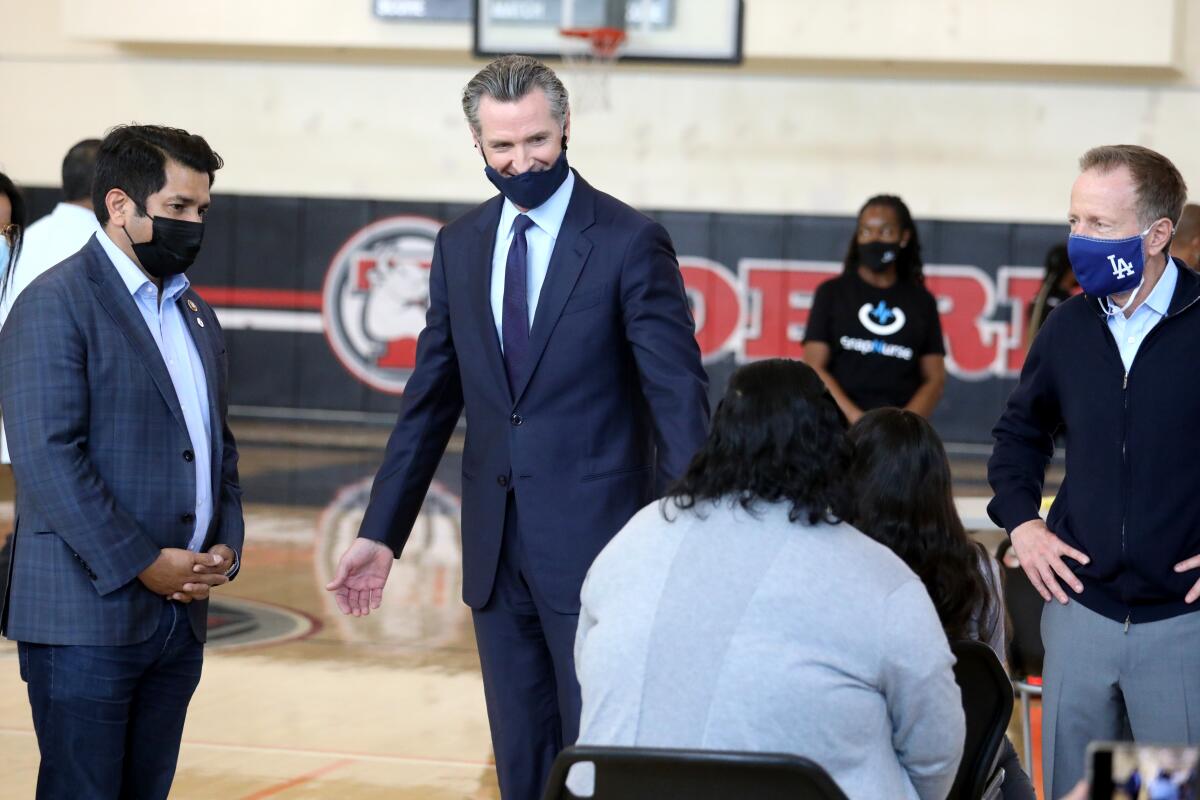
[(531, 189), (1108, 266)]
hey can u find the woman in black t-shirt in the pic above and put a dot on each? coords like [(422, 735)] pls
[(873, 333)]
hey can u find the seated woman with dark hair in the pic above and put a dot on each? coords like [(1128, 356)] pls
[(904, 499), (740, 614)]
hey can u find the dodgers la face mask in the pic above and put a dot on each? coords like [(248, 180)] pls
[(1107, 266)]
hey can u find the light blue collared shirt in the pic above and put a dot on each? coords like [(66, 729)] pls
[(169, 329), (1129, 333), (541, 235)]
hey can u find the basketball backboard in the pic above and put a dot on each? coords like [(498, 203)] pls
[(657, 30)]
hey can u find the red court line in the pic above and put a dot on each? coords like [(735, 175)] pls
[(291, 299), (291, 783), (303, 751)]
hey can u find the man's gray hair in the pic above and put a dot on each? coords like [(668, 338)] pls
[(510, 78)]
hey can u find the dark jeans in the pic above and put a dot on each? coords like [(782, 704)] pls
[(109, 719)]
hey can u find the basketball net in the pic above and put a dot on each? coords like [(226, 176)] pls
[(592, 67)]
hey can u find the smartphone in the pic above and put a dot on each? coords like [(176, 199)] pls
[(1133, 771)]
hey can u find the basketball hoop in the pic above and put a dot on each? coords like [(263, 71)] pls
[(593, 65)]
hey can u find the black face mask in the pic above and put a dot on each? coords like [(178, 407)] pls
[(530, 189), (878, 256), (171, 249)]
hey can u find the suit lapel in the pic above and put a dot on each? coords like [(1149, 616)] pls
[(114, 297), (571, 250), (479, 285), (202, 338)]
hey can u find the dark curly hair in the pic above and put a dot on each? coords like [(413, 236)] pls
[(903, 499), (777, 435), (909, 266)]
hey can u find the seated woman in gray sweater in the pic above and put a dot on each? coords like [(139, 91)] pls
[(904, 499), (740, 614)]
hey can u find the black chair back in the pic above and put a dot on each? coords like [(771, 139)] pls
[(988, 704), (631, 773)]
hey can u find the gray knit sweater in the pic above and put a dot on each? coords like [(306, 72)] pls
[(729, 631)]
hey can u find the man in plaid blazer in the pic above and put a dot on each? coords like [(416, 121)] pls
[(113, 387)]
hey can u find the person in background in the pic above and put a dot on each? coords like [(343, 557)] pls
[(12, 224), (740, 613), (60, 233), (54, 237), (873, 333), (1185, 246), (904, 499), (1058, 284), (12, 229)]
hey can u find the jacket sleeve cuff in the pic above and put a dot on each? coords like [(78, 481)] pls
[(137, 554), (1011, 512)]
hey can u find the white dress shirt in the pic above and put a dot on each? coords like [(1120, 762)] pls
[(1129, 333), (541, 236), (52, 238), (169, 328)]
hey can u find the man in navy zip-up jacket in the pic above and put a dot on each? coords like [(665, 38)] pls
[(1115, 375)]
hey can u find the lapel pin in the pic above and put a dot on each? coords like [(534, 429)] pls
[(192, 305), (200, 322)]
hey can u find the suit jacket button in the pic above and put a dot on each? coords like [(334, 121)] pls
[(515, 419), (188, 456), (502, 480), (188, 518)]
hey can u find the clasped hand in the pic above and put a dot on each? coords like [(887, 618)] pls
[(185, 576)]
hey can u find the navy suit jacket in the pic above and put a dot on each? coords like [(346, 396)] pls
[(612, 407), (102, 458)]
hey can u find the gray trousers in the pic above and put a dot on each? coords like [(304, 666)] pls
[(1101, 682)]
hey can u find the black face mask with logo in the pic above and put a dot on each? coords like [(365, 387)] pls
[(879, 256), (172, 248)]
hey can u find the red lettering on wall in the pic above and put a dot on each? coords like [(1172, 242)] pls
[(1019, 286), (400, 354), (966, 300), (716, 303), (778, 296)]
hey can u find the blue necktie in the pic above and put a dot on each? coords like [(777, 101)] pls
[(515, 324)]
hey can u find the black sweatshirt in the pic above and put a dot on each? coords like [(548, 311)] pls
[(1131, 496)]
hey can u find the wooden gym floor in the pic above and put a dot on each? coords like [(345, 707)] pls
[(298, 701)]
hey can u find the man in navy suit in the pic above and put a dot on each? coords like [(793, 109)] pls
[(112, 381), (558, 320)]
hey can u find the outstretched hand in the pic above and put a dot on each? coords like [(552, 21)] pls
[(361, 574)]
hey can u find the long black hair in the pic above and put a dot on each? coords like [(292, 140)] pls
[(776, 436), (903, 499), (9, 190), (909, 266)]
